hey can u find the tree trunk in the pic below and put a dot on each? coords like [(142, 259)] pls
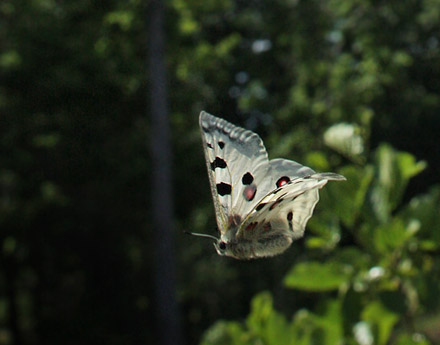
[(167, 313)]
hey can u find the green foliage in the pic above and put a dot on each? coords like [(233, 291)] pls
[(394, 171), (380, 290), (381, 320), (336, 85), (316, 276), (265, 325)]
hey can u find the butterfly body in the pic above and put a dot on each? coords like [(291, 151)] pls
[(261, 205), (250, 249)]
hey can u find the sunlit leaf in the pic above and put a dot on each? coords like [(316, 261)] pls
[(225, 333), (426, 208), (392, 235), (394, 171), (123, 19), (318, 161), (345, 199), (316, 276), (331, 322), (345, 138), (303, 328), (381, 319), (266, 323)]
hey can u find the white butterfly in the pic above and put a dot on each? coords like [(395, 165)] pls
[(261, 206)]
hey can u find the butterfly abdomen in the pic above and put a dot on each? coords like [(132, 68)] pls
[(263, 247)]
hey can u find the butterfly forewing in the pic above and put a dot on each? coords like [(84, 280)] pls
[(284, 170), (237, 165)]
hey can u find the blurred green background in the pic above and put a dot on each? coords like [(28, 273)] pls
[(348, 86)]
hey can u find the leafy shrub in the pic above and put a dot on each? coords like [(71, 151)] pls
[(376, 284)]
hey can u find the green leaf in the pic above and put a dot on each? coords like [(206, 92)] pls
[(325, 327), (381, 319), (345, 199), (304, 328), (123, 19), (328, 230), (353, 256), (394, 171), (411, 339), (225, 333), (392, 235), (261, 309), (316, 276), (10, 59), (426, 208), (266, 323), (408, 166), (345, 138), (318, 161), (331, 323)]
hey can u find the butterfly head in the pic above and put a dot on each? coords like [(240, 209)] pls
[(220, 244), (221, 247)]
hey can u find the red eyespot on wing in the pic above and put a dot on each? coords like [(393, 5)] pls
[(282, 181), (249, 192)]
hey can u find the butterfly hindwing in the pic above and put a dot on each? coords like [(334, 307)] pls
[(287, 209), (282, 172)]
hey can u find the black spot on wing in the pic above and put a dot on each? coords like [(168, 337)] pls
[(260, 206), (221, 144), (289, 219), (223, 188), (277, 202), (205, 129), (247, 178), (218, 163), (209, 145)]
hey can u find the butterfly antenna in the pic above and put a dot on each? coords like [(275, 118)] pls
[(201, 235)]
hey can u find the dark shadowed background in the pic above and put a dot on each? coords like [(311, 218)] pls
[(102, 169)]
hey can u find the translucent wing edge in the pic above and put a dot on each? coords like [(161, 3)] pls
[(209, 122)]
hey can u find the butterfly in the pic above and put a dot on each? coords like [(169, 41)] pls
[(261, 205)]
